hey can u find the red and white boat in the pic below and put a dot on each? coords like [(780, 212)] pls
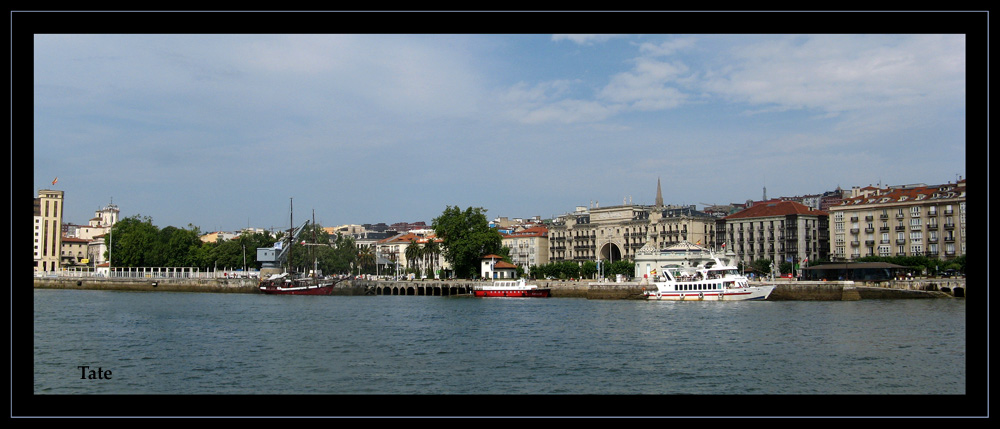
[(279, 284), (510, 289)]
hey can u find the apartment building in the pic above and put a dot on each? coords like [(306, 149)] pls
[(393, 250), (529, 246), (913, 220), (782, 231)]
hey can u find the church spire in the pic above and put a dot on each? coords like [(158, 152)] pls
[(659, 194)]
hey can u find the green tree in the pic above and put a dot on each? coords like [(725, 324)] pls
[(623, 267), (466, 237), (342, 256), (176, 247), (311, 248), (588, 269), (132, 242)]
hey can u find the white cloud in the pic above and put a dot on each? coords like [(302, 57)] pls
[(668, 47), (585, 39), (839, 73), (646, 87)]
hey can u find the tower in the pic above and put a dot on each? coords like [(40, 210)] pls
[(659, 194), (48, 229)]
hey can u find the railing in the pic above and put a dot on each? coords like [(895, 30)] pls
[(150, 272)]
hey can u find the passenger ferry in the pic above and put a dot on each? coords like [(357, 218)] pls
[(692, 273), (713, 282), (511, 289)]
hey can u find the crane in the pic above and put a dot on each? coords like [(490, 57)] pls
[(276, 256)]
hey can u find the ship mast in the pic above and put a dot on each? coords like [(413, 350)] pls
[(313, 252)]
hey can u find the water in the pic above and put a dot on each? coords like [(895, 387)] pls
[(204, 343)]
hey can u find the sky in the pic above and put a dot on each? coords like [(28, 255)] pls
[(223, 131)]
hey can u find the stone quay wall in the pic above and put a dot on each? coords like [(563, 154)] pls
[(786, 290)]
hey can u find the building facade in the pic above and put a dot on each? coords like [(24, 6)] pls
[(393, 249), (618, 232), (914, 220), (528, 247), (782, 231), (48, 230)]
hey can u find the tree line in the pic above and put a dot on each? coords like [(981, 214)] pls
[(136, 242)]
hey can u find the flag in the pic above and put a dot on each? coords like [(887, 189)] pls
[(55, 180)]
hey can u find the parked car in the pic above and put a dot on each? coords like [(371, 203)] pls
[(951, 273)]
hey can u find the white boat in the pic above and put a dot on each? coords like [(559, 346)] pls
[(702, 277)]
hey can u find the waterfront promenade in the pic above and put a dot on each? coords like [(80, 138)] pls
[(787, 290)]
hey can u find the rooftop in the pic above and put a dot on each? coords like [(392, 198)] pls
[(776, 208)]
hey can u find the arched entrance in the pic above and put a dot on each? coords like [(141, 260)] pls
[(610, 252)]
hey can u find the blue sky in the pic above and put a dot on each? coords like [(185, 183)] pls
[(219, 131)]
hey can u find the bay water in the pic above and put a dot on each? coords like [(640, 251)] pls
[(125, 343)]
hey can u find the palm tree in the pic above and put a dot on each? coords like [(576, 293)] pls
[(413, 251), (366, 258), (431, 249)]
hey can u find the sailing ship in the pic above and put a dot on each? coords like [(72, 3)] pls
[(284, 283)]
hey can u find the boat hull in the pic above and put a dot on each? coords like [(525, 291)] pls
[(321, 289), (532, 293), (740, 294)]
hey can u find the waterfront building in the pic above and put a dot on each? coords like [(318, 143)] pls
[(104, 218), (782, 231), (494, 267), (394, 248), (618, 232), (911, 220), (48, 230), (74, 251), (528, 246), (97, 251)]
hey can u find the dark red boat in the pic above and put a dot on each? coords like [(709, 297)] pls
[(280, 285)]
